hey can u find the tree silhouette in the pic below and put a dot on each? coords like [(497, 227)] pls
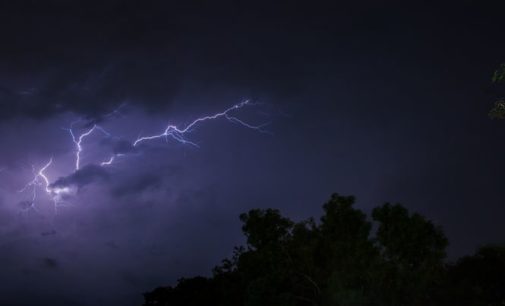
[(340, 261), (412, 252), (478, 280), (498, 110)]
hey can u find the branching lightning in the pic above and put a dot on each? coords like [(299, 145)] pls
[(178, 134), (78, 142), (40, 175), (41, 179)]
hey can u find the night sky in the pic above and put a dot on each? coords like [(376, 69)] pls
[(387, 102)]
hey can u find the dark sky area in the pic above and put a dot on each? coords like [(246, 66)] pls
[(386, 101)]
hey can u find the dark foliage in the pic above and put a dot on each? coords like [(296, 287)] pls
[(498, 110), (338, 261)]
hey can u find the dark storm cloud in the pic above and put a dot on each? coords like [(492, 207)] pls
[(81, 59), (90, 92), (82, 177), (112, 245), (48, 233), (50, 263), (90, 58), (138, 185), (119, 146)]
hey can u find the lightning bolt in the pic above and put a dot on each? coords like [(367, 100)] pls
[(40, 175), (41, 180), (111, 160), (78, 142), (178, 133)]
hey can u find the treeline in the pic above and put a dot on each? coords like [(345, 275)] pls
[(342, 261)]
